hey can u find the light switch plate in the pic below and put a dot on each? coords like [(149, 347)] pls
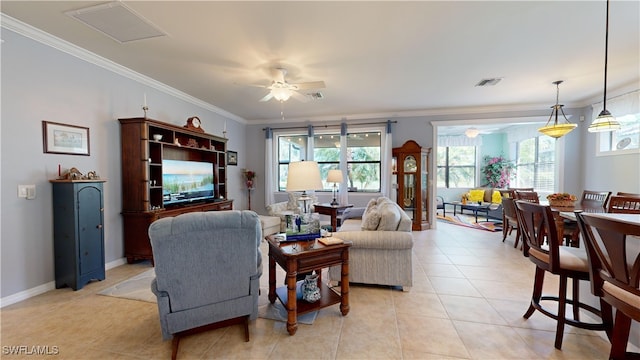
[(27, 192)]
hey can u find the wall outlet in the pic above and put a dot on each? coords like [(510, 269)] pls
[(27, 192)]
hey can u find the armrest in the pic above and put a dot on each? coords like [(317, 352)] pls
[(377, 239)]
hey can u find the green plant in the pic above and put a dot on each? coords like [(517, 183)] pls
[(497, 171)]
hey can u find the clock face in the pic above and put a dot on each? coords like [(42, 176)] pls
[(195, 122), (410, 164)]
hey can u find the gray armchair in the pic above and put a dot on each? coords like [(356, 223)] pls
[(208, 267)]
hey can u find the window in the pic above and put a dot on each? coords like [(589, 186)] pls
[(363, 157), (456, 166), (535, 163)]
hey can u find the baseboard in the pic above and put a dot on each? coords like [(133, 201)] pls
[(41, 289)]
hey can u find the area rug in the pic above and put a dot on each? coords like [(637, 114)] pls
[(139, 288), (135, 288), (469, 221)]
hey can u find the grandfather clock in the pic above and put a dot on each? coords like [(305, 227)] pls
[(412, 164)]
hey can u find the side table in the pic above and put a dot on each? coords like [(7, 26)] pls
[(306, 256), (333, 211)]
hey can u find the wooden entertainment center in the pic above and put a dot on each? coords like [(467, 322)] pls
[(143, 198)]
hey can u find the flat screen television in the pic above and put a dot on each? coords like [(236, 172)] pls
[(186, 181)]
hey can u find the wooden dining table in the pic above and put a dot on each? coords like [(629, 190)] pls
[(560, 214)]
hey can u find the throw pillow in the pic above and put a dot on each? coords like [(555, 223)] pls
[(476, 195), (370, 220), (496, 198), (389, 216)]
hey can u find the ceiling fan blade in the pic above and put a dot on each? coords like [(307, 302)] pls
[(267, 97), (309, 85), (302, 98)]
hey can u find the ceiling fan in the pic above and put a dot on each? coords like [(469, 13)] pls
[(282, 90)]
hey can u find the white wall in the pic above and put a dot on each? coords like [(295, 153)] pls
[(42, 83)]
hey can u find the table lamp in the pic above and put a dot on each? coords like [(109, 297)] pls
[(303, 176), (334, 176)]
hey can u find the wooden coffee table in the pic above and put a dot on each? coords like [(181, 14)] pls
[(306, 256)]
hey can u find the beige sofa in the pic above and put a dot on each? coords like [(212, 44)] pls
[(382, 246)]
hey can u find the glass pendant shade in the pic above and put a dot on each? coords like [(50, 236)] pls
[(604, 122), (557, 130)]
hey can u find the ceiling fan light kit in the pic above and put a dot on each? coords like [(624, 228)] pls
[(471, 132), (557, 130), (605, 121), (282, 90)]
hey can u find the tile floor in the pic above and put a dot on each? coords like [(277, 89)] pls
[(470, 291)]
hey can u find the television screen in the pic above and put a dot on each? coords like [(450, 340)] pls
[(186, 181)]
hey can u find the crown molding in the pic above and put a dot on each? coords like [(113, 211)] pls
[(17, 26)]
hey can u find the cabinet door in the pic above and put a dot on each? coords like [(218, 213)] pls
[(90, 232)]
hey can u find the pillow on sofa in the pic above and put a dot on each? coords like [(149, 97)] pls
[(389, 216), (496, 198), (371, 216), (476, 195)]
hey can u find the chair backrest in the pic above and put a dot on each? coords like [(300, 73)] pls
[(594, 199), (203, 258), (614, 256), (529, 196), (620, 193), (521, 189), (624, 205), (509, 209), (538, 228), (507, 193)]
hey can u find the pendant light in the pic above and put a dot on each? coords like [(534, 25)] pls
[(557, 130), (471, 132), (605, 121)]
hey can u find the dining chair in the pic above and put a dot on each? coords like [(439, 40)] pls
[(614, 259), (507, 193), (594, 199), (509, 220), (591, 201), (620, 193), (624, 204), (529, 196), (542, 245)]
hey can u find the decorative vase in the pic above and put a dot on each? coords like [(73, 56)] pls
[(310, 289)]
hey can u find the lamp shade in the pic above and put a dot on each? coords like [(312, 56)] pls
[(604, 122), (281, 94), (334, 176), (304, 175), (557, 130)]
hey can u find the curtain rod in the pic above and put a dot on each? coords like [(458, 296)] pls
[(327, 126)]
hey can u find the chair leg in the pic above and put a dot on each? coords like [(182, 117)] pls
[(515, 243), (562, 305), (620, 336), (575, 297), (606, 314), (246, 328), (505, 229), (174, 346), (537, 292)]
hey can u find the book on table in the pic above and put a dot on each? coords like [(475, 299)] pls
[(330, 240)]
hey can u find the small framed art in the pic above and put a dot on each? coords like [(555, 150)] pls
[(232, 158), (60, 138)]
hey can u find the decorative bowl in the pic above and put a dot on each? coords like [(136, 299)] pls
[(157, 137)]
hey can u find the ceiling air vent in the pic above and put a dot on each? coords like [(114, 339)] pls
[(117, 21), (316, 95), (488, 82)]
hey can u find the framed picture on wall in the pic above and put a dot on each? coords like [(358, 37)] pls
[(232, 158), (60, 138)]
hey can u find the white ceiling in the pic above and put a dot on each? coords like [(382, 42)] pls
[(378, 59)]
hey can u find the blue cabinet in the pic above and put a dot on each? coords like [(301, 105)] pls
[(78, 233)]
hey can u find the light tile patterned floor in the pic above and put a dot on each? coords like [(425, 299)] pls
[(470, 291)]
